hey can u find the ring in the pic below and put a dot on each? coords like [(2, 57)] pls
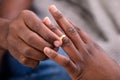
[(62, 37)]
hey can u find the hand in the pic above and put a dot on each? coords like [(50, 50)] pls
[(27, 37), (87, 60)]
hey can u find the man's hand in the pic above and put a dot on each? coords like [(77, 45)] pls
[(26, 38), (87, 60)]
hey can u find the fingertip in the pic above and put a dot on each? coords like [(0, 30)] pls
[(52, 8), (47, 20), (44, 19), (46, 50), (57, 43)]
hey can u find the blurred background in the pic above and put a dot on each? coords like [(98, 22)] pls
[(99, 18)]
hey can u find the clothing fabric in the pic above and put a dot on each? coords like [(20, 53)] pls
[(47, 70)]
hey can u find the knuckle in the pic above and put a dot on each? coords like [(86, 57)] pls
[(27, 51), (28, 62), (32, 21), (96, 46), (66, 62), (66, 41), (26, 15), (58, 15), (54, 29), (50, 38), (22, 14), (23, 60), (78, 29), (33, 63), (71, 30)]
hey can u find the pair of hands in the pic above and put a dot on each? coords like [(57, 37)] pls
[(28, 36)]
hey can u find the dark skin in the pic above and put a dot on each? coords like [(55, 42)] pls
[(27, 41), (3, 22), (87, 60), (9, 9), (23, 33), (26, 36)]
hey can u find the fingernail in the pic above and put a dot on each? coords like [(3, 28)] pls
[(57, 43), (47, 20), (46, 50), (53, 8)]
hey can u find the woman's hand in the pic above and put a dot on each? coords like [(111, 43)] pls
[(87, 60)]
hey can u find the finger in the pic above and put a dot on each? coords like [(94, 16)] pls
[(84, 36), (60, 59), (25, 49), (32, 39), (67, 43), (36, 25), (67, 28), (49, 24), (23, 60), (92, 46), (54, 29)]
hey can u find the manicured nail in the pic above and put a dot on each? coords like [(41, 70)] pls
[(46, 50), (57, 43), (53, 8), (47, 20)]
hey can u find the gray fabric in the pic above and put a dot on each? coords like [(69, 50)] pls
[(99, 18)]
